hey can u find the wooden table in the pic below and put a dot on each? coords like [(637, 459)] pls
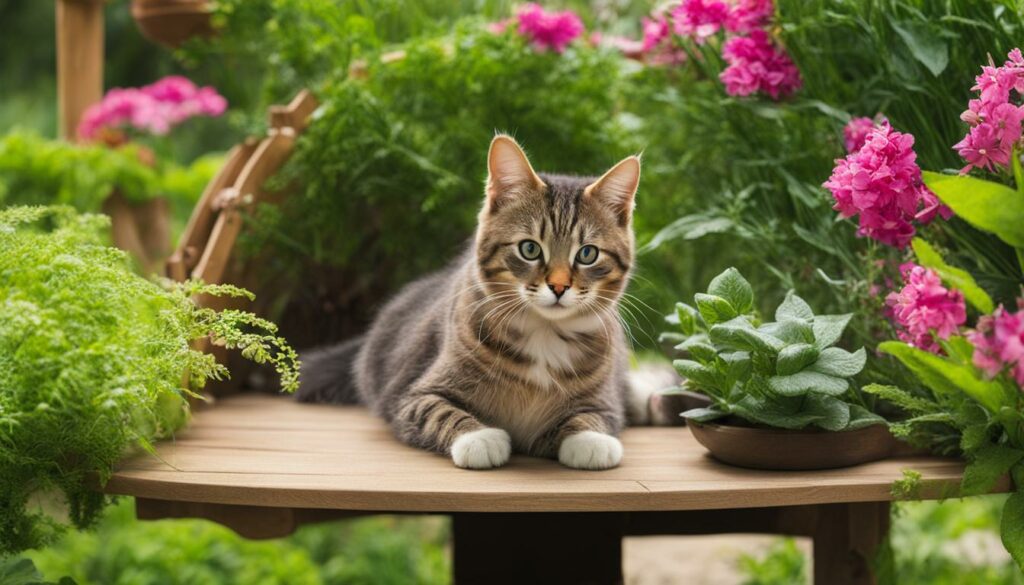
[(264, 465)]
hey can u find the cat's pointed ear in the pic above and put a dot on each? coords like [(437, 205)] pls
[(616, 189), (509, 172)]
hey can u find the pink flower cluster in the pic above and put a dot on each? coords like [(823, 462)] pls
[(924, 310), (994, 119), (855, 134), (882, 183), (154, 108), (758, 65), (999, 343), (548, 30)]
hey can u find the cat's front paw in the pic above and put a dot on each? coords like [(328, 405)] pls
[(482, 449), (590, 450)]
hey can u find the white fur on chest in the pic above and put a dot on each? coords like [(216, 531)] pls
[(546, 344)]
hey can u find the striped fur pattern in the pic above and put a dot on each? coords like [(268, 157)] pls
[(502, 352)]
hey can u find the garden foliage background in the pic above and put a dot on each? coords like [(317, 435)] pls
[(727, 181)]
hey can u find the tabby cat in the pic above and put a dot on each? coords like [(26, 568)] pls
[(516, 345)]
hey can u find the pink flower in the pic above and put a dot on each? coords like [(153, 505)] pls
[(699, 19), (153, 109), (881, 183), (756, 64), (656, 32), (856, 132), (999, 344), (994, 119), (749, 15), (924, 310), (548, 30)]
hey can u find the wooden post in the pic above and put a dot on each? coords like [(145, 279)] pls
[(79, 60), (846, 539)]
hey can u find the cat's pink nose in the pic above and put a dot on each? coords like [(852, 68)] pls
[(558, 289)]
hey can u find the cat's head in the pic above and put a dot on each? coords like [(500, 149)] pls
[(561, 245)]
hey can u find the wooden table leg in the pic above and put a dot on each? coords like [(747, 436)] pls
[(538, 548), (846, 539)]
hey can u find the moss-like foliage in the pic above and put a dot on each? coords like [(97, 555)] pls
[(93, 360), (37, 171)]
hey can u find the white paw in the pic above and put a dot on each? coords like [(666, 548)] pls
[(590, 450), (482, 449)]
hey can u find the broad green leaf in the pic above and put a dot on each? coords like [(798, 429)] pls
[(945, 377), (738, 366), (986, 205), (956, 278), (744, 337), (699, 347), (780, 414), (687, 318), (839, 362), (833, 414), (19, 571), (988, 465), (861, 417), (807, 382), (1011, 527), (794, 358), (793, 307), (671, 338), (790, 330), (704, 414), (829, 328), (700, 374), (925, 45), (731, 286), (714, 309)]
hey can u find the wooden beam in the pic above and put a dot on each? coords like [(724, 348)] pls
[(79, 60)]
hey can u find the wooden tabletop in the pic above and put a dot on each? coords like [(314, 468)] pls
[(270, 451)]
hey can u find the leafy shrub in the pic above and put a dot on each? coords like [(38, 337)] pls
[(92, 359), (36, 171), (782, 374), (122, 550)]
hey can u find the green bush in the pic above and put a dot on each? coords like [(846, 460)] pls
[(37, 171), (92, 361)]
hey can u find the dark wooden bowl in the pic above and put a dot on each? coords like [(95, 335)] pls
[(172, 22), (781, 449)]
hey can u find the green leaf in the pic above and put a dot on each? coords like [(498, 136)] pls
[(714, 309), (986, 467), (925, 45), (790, 330), (794, 358), (731, 286), (671, 338), (833, 414), (793, 307), (807, 382), (687, 318), (839, 362), (698, 347), (956, 278), (986, 205), (1011, 527), (829, 328), (739, 334), (945, 377), (19, 571), (775, 413), (861, 417), (704, 414), (700, 374), (902, 399)]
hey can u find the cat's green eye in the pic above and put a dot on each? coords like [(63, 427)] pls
[(587, 255), (530, 249)]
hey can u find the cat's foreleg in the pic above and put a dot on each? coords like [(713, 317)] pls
[(583, 440), (434, 420)]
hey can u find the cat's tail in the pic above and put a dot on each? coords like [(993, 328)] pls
[(327, 374)]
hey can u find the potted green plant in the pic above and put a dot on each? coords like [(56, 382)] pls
[(780, 391)]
